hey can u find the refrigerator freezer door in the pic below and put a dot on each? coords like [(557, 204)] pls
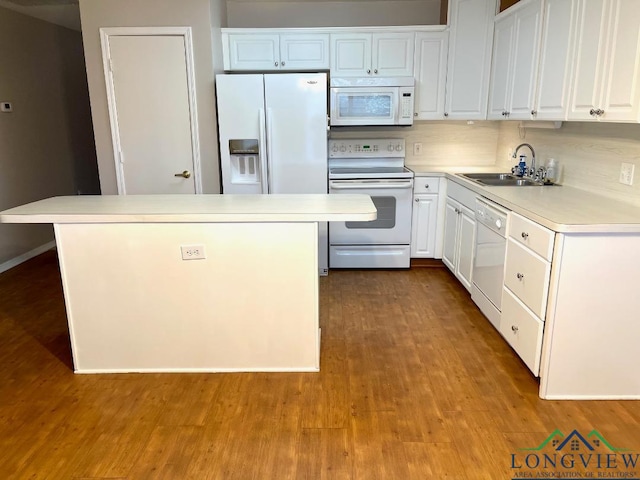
[(296, 118), (240, 115)]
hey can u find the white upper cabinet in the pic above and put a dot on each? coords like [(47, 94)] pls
[(304, 51), (515, 61), (607, 61), (430, 75), (363, 54), (501, 68), (264, 52), (554, 72), (469, 58)]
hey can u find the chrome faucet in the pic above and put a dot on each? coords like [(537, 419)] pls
[(532, 170)]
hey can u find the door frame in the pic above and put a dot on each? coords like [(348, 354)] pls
[(185, 32)]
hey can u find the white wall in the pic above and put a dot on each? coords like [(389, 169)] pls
[(314, 13), (590, 154), (46, 144), (198, 14)]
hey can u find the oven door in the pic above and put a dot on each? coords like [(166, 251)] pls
[(392, 198)]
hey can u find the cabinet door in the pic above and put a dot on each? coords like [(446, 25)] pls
[(525, 52), (554, 72), (423, 226), (589, 58), (304, 51), (621, 97), (430, 75), (254, 52), (469, 59), (392, 54), (450, 247), (467, 240), (351, 54), (501, 68)]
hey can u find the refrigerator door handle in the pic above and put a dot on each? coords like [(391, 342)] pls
[(269, 148), (264, 181)]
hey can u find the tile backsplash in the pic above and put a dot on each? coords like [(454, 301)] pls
[(443, 143), (590, 154)]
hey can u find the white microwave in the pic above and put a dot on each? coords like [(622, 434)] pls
[(371, 101)]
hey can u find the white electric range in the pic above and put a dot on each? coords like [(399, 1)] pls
[(374, 167)]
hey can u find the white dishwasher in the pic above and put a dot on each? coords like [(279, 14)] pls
[(488, 264)]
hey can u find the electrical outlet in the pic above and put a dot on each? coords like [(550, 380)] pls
[(626, 173), (193, 252), (417, 149), (6, 107)]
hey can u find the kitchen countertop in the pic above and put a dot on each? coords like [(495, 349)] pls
[(560, 208), (193, 209)]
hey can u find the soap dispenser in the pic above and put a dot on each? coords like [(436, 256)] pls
[(553, 171), (522, 166)]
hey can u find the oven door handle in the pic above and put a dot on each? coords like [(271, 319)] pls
[(337, 185)]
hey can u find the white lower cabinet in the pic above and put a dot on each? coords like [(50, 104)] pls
[(424, 221), (522, 330), (526, 288), (459, 232)]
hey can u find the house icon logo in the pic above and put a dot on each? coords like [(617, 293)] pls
[(575, 455)]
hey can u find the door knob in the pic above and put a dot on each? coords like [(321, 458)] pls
[(185, 174)]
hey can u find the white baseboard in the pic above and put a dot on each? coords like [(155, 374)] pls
[(14, 262)]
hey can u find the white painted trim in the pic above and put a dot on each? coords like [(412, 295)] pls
[(185, 32), (14, 262), (199, 370)]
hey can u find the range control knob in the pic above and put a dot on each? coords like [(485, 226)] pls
[(334, 148), (399, 147), (390, 148), (343, 148), (498, 224)]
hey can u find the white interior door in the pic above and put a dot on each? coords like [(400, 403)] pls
[(152, 109)]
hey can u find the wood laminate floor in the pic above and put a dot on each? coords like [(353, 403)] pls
[(414, 384)]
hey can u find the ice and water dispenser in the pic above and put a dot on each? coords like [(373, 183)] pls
[(244, 155)]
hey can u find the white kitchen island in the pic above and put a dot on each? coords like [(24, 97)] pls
[(139, 300)]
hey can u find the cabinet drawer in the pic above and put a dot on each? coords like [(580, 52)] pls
[(426, 185), (527, 276), (522, 330), (536, 237)]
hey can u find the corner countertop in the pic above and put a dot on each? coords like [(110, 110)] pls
[(560, 208), (194, 209)]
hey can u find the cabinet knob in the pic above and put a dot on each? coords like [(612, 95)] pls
[(504, 114), (533, 112), (417, 200), (599, 112), (185, 174), (592, 112), (415, 114), (520, 276), (375, 71), (514, 329), (276, 64), (282, 64), (426, 186), (525, 235), (507, 113), (446, 114), (368, 71)]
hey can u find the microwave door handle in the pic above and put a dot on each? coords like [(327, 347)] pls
[(262, 152)]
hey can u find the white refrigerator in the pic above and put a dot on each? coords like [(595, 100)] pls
[(272, 130)]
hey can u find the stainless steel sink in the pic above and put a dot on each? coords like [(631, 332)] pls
[(500, 179)]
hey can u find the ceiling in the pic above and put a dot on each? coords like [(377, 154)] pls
[(65, 13)]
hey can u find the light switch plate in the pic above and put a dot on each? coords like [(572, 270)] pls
[(417, 149), (6, 107)]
